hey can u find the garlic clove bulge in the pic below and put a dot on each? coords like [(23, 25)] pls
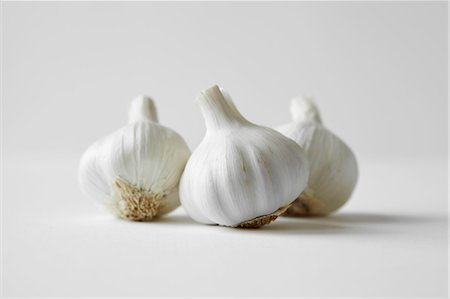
[(333, 167), (241, 174), (134, 172)]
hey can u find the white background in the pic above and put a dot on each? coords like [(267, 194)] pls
[(377, 70)]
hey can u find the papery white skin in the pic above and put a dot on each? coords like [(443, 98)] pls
[(143, 153), (239, 171), (333, 167)]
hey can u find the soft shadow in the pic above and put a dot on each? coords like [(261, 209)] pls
[(284, 226), (174, 219), (177, 219), (281, 226), (373, 218), (347, 223), (343, 223)]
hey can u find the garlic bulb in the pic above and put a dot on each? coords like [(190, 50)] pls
[(241, 174), (333, 167), (135, 171)]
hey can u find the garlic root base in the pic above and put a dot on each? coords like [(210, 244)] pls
[(305, 205), (135, 203), (262, 220)]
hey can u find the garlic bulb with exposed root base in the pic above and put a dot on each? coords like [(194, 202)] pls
[(241, 174), (135, 171), (333, 167)]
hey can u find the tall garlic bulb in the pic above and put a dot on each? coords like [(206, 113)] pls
[(135, 171), (333, 167), (241, 174)]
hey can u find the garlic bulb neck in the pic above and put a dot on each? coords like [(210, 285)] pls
[(142, 108), (218, 110), (304, 110)]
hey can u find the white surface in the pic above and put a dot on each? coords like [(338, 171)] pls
[(391, 240), (379, 74)]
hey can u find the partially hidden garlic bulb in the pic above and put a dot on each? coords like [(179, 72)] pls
[(135, 171), (241, 174), (333, 167)]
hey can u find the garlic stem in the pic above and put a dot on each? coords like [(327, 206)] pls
[(142, 109), (304, 110), (218, 111)]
